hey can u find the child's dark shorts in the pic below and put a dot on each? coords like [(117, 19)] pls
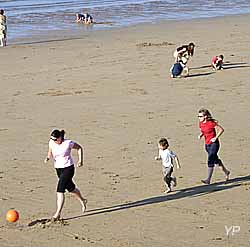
[(65, 181), (212, 150)]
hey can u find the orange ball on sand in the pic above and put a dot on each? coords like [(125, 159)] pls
[(12, 216)]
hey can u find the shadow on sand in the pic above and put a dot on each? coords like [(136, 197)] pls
[(202, 67), (226, 65), (230, 66), (200, 74), (179, 194)]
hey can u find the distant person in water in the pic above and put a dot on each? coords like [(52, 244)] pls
[(2, 35), (217, 62), (85, 18), (3, 28)]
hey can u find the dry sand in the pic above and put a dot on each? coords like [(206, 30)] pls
[(111, 92)]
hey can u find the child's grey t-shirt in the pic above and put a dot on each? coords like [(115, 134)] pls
[(167, 157)]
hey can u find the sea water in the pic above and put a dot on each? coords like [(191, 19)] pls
[(28, 18)]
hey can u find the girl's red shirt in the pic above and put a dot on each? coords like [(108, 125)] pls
[(208, 130)]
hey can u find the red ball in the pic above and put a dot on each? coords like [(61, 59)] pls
[(12, 216)]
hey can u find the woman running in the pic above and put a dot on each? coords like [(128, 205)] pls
[(211, 131), (60, 150)]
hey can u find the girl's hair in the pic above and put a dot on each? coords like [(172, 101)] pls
[(205, 112), (163, 142), (191, 46), (1, 11), (58, 133), (221, 56)]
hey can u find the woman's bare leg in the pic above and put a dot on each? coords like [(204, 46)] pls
[(60, 203), (225, 170), (209, 176), (82, 200)]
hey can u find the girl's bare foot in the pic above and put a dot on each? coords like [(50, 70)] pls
[(84, 205)]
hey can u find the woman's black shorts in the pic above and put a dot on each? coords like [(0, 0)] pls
[(65, 176), (212, 150)]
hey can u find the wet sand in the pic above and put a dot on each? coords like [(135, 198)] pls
[(111, 91)]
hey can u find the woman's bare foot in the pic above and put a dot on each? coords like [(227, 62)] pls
[(227, 175), (55, 218), (205, 181)]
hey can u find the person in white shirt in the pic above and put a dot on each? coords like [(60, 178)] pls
[(60, 150), (167, 156)]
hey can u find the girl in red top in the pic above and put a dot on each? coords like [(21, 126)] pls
[(211, 131), (217, 62)]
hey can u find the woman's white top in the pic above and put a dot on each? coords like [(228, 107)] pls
[(62, 153)]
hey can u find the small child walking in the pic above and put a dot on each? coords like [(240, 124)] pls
[(167, 156)]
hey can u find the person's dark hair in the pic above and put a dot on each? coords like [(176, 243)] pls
[(221, 56), (190, 49), (205, 112), (191, 44), (1, 11), (164, 142), (57, 133)]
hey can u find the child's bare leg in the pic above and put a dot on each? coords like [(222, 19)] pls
[(82, 200), (1, 42), (167, 180), (60, 203), (174, 180)]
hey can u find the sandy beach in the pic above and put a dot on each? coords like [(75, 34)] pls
[(111, 91)]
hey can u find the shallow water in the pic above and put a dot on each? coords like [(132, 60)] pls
[(27, 17)]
